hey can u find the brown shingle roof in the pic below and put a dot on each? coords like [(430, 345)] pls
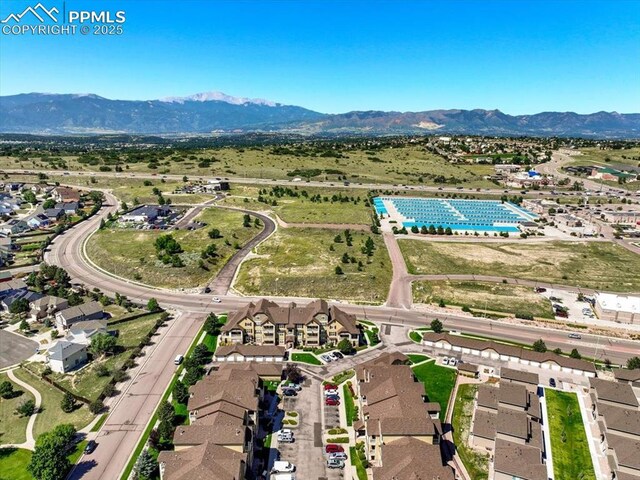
[(519, 376), (510, 350), (627, 375), (488, 396), (250, 350), (292, 314), (627, 450), (411, 459), (512, 423), (468, 367), (513, 394), (203, 462), (614, 392), (522, 461), (620, 418), (484, 424)]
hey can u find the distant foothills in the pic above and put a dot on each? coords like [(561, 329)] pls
[(217, 113)]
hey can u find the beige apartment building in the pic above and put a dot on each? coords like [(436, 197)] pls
[(267, 323)]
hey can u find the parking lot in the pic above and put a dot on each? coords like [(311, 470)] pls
[(15, 348), (307, 451)]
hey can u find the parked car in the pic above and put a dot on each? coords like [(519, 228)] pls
[(331, 392), (540, 290), (332, 355), (338, 456), (285, 438), (90, 447), (562, 313), (330, 402), (575, 335), (334, 463), (207, 290), (445, 361), (333, 397), (330, 386), (338, 355), (296, 386), (289, 392), (326, 358), (283, 467), (453, 362), (552, 382), (216, 300), (333, 448)]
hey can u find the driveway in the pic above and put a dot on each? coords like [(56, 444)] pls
[(306, 453), (15, 348)]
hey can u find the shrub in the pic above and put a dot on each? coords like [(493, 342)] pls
[(96, 407), (68, 403)]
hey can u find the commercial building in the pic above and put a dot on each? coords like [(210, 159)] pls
[(617, 308), (145, 214), (266, 323)]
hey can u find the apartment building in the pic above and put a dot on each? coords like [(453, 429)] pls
[(267, 323), (400, 429)]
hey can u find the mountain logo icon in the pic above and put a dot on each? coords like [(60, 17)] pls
[(39, 11)]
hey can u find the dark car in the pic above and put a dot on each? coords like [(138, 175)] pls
[(333, 448), (330, 402), (338, 354), (207, 290), (90, 447), (540, 290), (333, 397), (552, 382), (289, 392)]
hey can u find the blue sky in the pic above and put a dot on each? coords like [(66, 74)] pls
[(334, 56)]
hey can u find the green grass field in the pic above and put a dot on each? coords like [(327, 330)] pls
[(305, 358), (131, 253), (415, 358), (496, 297), (415, 336), (349, 405), (438, 383), (13, 426), (13, 464), (476, 464), (628, 156), (400, 164), (598, 265), (86, 382), (569, 444), (302, 262), (51, 414)]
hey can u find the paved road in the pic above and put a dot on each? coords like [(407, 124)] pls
[(400, 295), (14, 348), (222, 283), (128, 418)]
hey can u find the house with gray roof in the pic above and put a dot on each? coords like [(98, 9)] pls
[(87, 311), (47, 306), (65, 356)]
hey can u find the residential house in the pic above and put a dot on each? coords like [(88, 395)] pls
[(47, 306), (82, 332), (65, 356), (8, 300), (410, 459), (69, 208), (206, 461), (14, 227), (12, 287), (39, 220), (54, 214), (87, 311), (238, 352), (521, 377), (66, 194), (266, 323), (631, 377)]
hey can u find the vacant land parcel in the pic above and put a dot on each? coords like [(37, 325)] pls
[(598, 265), (304, 262)]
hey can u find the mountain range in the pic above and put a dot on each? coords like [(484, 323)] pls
[(216, 112)]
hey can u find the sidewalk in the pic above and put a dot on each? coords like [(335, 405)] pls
[(30, 443)]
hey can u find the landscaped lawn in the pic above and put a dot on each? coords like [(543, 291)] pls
[(77, 452), (495, 297), (350, 408), (306, 358), (86, 382), (438, 383), (415, 358), (13, 426), (373, 335), (569, 444), (13, 464), (210, 342), (51, 414), (357, 462), (476, 464), (415, 336), (598, 265), (301, 262), (131, 253)]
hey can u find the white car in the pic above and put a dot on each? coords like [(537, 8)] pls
[(331, 392), (216, 300), (283, 467), (453, 362), (326, 358), (445, 361), (332, 356), (338, 456)]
